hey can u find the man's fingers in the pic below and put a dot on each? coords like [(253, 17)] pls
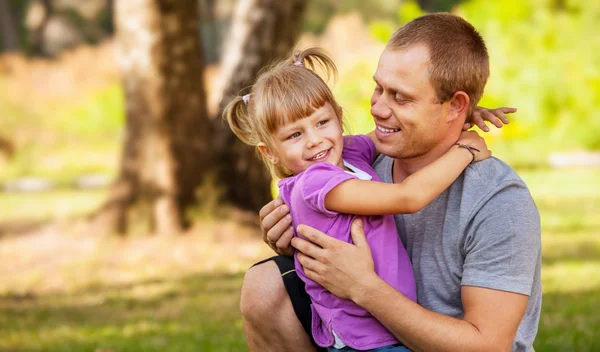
[(307, 248), (279, 228), (309, 263), (314, 235), (283, 244), (273, 218), (267, 209), (358, 233), (312, 275)]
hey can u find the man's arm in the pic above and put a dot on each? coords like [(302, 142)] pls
[(490, 321)]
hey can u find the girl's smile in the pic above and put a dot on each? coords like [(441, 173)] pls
[(313, 139)]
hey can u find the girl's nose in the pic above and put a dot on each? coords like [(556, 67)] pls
[(313, 139)]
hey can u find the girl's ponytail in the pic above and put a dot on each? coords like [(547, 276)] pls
[(236, 114), (314, 59)]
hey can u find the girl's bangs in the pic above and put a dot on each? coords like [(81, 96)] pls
[(295, 105)]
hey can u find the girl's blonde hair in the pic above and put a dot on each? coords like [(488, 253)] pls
[(287, 91)]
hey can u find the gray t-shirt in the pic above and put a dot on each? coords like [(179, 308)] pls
[(482, 231)]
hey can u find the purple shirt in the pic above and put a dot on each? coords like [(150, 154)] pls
[(305, 194)]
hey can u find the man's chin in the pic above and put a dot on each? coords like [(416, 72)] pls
[(393, 151), (385, 146)]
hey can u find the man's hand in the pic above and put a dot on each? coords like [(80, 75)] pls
[(342, 268), (276, 227), (496, 116)]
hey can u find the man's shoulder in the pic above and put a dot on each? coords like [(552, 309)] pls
[(492, 183), (491, 174)]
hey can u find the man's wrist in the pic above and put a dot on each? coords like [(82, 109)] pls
[(367, 286)]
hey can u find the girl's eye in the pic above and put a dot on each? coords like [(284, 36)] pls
[(294, 135), (321, 123)]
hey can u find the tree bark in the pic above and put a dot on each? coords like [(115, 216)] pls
[(262, 30), (8, 27), (166, 148), (37, 35)]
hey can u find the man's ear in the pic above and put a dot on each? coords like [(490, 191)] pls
[(459, 107), (267, 152)]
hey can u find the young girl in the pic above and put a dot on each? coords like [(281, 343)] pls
[(293, 119)]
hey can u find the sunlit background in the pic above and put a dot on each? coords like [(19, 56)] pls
[(68, 284)]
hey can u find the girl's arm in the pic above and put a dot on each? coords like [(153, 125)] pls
[(413, 194)]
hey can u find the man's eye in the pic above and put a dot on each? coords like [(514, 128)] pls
[(321, 123), (400, 100), (294, 135), (378, 89)]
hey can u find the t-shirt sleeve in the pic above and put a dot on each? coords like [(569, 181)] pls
[(316, 181), (360, 147), (503, 241)]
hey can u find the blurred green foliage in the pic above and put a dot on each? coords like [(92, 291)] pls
[(61, 141), (545, 60), (319, 12)]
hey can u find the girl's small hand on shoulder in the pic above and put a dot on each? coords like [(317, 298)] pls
[(496, 117), (475, 141)]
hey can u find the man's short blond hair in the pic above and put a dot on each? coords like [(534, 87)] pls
[(458, 56)]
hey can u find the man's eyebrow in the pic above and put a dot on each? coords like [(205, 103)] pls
[(403, 92), (396, 90)]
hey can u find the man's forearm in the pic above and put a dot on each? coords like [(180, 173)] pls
[(418, 328)]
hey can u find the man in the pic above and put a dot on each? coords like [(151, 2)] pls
[(475, 250)]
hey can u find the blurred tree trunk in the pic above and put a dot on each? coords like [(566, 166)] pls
[(166, 146), (8, 27), (261, 31), (37, 35)]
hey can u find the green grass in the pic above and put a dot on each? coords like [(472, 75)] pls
[(199, 311), (569, 204)]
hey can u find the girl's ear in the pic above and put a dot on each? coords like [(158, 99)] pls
[(338, 110), (267, 152)]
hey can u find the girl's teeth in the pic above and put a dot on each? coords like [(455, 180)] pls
[(320, 155)]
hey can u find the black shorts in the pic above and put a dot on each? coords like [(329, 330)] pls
[(295, 289)]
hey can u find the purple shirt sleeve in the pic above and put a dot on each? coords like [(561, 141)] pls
[(360, 147), (316, 181)]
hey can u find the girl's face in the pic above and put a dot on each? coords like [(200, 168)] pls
[(313, 139)]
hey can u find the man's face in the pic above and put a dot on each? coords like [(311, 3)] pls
[(409, 119)]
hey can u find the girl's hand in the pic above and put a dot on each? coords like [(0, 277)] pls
[(472, 139), (496, 116)]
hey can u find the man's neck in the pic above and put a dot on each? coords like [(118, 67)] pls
[(407, 166)]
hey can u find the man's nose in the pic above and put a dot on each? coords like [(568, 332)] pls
[(380, 108)]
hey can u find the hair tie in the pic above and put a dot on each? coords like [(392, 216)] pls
[(298, 63), (246, 99)]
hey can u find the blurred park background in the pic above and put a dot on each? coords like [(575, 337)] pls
[(128, 210)]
